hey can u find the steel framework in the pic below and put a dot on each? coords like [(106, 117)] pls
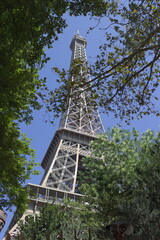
[(79, 125)]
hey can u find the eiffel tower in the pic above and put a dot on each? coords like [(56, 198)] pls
[(80, 124)]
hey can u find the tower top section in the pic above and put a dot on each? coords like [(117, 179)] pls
[(80, 115), (77, 46), (78, 39)]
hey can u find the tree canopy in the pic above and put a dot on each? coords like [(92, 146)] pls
[(125, 76), (64, 220), (17, 161), (26, 28), (122, 181)]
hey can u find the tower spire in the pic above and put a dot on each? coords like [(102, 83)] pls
[(80, 123), (80, 116)]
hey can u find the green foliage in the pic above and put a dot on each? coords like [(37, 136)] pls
[(26, 28), (122, 180), (126, 73), (54, 219), (125, 76), (16, 163), (93, 8)]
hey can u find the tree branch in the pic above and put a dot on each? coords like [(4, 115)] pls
[(132, 76), (127, 59)]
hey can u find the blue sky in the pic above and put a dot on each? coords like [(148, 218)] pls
[(40, 132)]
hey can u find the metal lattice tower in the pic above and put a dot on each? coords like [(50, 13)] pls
[(80, 123)]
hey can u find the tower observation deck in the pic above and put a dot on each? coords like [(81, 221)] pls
[(80, 124)]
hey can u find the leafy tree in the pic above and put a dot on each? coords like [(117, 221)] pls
[(55, 220), (16, 163), (125, 76), (26, 28), (122, 181)]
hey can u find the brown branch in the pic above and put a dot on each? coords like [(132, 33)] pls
[(134, 75), (124, 61), (151, 70), (127, 59), (88, 83)]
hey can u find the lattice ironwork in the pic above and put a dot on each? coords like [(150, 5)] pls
[(80, 117), (80, 114), (79, 124), (63, 170)]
